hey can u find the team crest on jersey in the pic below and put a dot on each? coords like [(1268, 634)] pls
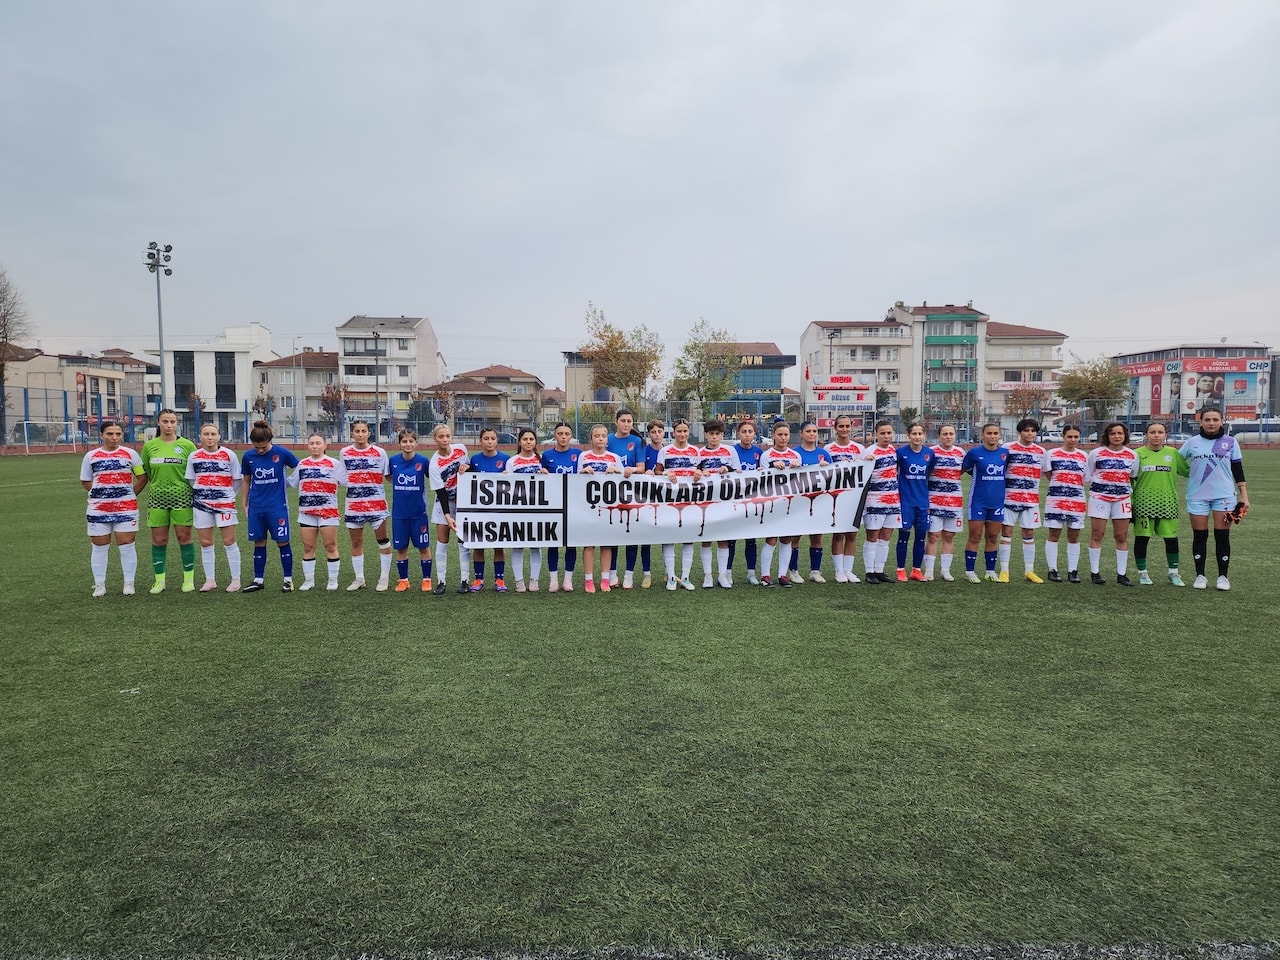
[(275, 458)]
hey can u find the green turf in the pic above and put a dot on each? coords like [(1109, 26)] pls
[(337, 774)]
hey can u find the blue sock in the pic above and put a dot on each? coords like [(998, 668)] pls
[(499, 569), (259, 562), (425, 564), (970, 560), (286, 560), (402, 569), (990, 557)]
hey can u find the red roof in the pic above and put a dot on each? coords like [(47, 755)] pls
[(308, 360), (1017, 330), (11, 351), (499, 370), (465, 385), (846, 324), (967, 309)]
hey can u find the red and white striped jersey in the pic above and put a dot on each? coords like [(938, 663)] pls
[(317, 480), (946, 498), (214, 476), (1065, 500), (1110, 473), (366, 469), (111, 473), (1022, 475)]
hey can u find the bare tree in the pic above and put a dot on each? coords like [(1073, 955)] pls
[(15, 324)]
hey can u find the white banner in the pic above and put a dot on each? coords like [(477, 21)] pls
[(576, 510)]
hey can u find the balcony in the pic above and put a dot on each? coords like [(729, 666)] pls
[(953, 387), (959, 363), (954, 338)]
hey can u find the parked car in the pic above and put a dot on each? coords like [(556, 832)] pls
[(73, 436)]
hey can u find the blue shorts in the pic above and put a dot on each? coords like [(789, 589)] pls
[(410, 530), (1202, 508), (914, 516), (986, 514), (262, 524)]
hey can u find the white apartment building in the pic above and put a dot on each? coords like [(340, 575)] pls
[(292, 395), (383, 361), (214, 381)]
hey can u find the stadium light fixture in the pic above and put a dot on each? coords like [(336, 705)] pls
[(158, 259)]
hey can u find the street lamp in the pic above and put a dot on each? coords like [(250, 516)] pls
[(377, 354), (158, 262), (293, 362)]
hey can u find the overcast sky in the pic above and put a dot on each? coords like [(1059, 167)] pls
[(1107, 169)]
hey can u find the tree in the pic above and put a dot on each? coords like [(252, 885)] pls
[(908, 414), (708, 366), (1098, 384), (264, 406), (423, 406), (1025, 400), (882, 399), (621, 360), (334, 399), (15, 324)]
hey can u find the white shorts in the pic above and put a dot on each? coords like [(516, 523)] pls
[(373, 519), (204, 520), (1109, 509), (308, 521), (882, 521), (437, 514), (946, 524), (1074, 522), (123, 525), (1027, 517)]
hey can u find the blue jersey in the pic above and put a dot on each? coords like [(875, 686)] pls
[(914, 468), (266, 476), (483, 463), (409, 482), (1210, 461), (557, 461), (748, 457), (628, 448), (987, 469), (651, 457), (818, 456)]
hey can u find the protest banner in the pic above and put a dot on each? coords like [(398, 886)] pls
[(572, 510)]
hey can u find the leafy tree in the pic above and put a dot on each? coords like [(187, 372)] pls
[(1098, 384), (423, 405), (264, 406), (1025, 400), (908, 414), (621, 360), (334, 400), (882, 399), (708, 366), (15, 324)]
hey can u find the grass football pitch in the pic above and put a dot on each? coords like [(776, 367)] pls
[(338, 774)]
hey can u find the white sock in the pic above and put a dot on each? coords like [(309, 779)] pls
[(335, 568), (517, 563), (1003, 552), (784, 559), (209, 561), (946, 562), (928, 565), (1095, 558), (1122, 562), (535, 564), (464, 558), (441, 569), (1051, 554), (233, 560), (98, 562), (686, 560), (384, 564), (129, 561), (722, 558), (309, 569), (669, 558), (882, 555), (706, 560), (357, 565), (1029, 555), (766, 558), (870, 550)]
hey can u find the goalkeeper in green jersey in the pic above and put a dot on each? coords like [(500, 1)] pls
[(164, 462), (1155, 501)]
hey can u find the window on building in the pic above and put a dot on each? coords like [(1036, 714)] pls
[(402, 371), (891, 353), (939, 328), (519, 389), (262, 378), (111, 408), (1037, 376), (111, 388), (1013, 376), (871, 331), (402, 395), (870, 353), (1035, 353), (364, 370), (286, 378), (1013, 353), (285, 401), (402, 344)]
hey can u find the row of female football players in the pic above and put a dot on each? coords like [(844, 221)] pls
[(913, 488)]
